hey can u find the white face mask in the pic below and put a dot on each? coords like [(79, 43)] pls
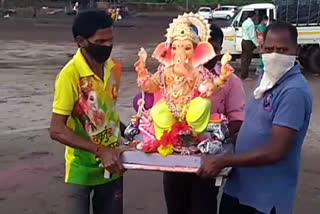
[(275, 66)]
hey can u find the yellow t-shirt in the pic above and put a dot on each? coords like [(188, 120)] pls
[(90, 104)]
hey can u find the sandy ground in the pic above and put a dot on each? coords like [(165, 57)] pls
[(32, 166)]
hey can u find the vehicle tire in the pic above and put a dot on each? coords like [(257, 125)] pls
[(228, 17), (314, 62), (305, 55)]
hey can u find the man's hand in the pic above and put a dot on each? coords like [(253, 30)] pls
[(110, 158), (211, 166)]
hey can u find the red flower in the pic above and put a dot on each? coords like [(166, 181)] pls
[(180, 127), (151, 146), (170, 138)]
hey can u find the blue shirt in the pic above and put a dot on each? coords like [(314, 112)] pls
[(288, 104)]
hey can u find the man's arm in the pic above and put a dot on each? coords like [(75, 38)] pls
[(122, 128), (275, 150), (234, 127), (61, 133), (235, 102), (64, 99), (253, 35), (290, 115)]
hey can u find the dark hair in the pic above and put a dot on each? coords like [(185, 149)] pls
[(251, 14), (216, 35), (280, 27), (87, 23)]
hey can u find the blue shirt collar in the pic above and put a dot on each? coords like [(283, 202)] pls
[(293, 71)]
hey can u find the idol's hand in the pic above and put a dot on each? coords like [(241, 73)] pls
[(140, 65), (226, 68), (208, 89), (226, 71)]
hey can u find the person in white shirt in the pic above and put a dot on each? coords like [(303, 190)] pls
[(248, 44)]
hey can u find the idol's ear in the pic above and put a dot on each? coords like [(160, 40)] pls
[(163, 54), (203, 53)]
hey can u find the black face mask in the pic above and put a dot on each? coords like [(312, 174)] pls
[(100, 53)]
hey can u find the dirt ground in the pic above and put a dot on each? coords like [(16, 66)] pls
[(32, 52)]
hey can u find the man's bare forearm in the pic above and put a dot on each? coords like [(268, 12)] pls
[(65, 136), (274, 150), (122, 128), (234, 127), (255, 158), (267, 154)]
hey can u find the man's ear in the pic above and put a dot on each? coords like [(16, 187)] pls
[(82, 42)]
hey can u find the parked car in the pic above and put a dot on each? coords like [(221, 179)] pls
[(224, 12), (205, 12)]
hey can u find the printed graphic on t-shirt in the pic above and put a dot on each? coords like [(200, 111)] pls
[(267, 102), (93, 111)]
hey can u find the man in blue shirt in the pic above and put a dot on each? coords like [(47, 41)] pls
[(267, 154)]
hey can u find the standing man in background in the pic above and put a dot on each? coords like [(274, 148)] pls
[(248, 44), (260, 31)]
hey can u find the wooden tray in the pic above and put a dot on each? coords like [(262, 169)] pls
[(138, 160)]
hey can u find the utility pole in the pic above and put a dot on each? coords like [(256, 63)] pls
[(187, 5)]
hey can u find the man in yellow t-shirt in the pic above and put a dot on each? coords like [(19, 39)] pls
[(85, 119)]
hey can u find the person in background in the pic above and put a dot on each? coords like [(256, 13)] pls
[(118, 16), (189, 193), (232, 97), (267, 155), (260, 31), (114, 15), (248, 44), (84, 119)]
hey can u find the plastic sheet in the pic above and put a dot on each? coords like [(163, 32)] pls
[(301, 12), (139, 160)]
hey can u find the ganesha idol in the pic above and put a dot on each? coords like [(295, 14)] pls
[(180, 89)]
